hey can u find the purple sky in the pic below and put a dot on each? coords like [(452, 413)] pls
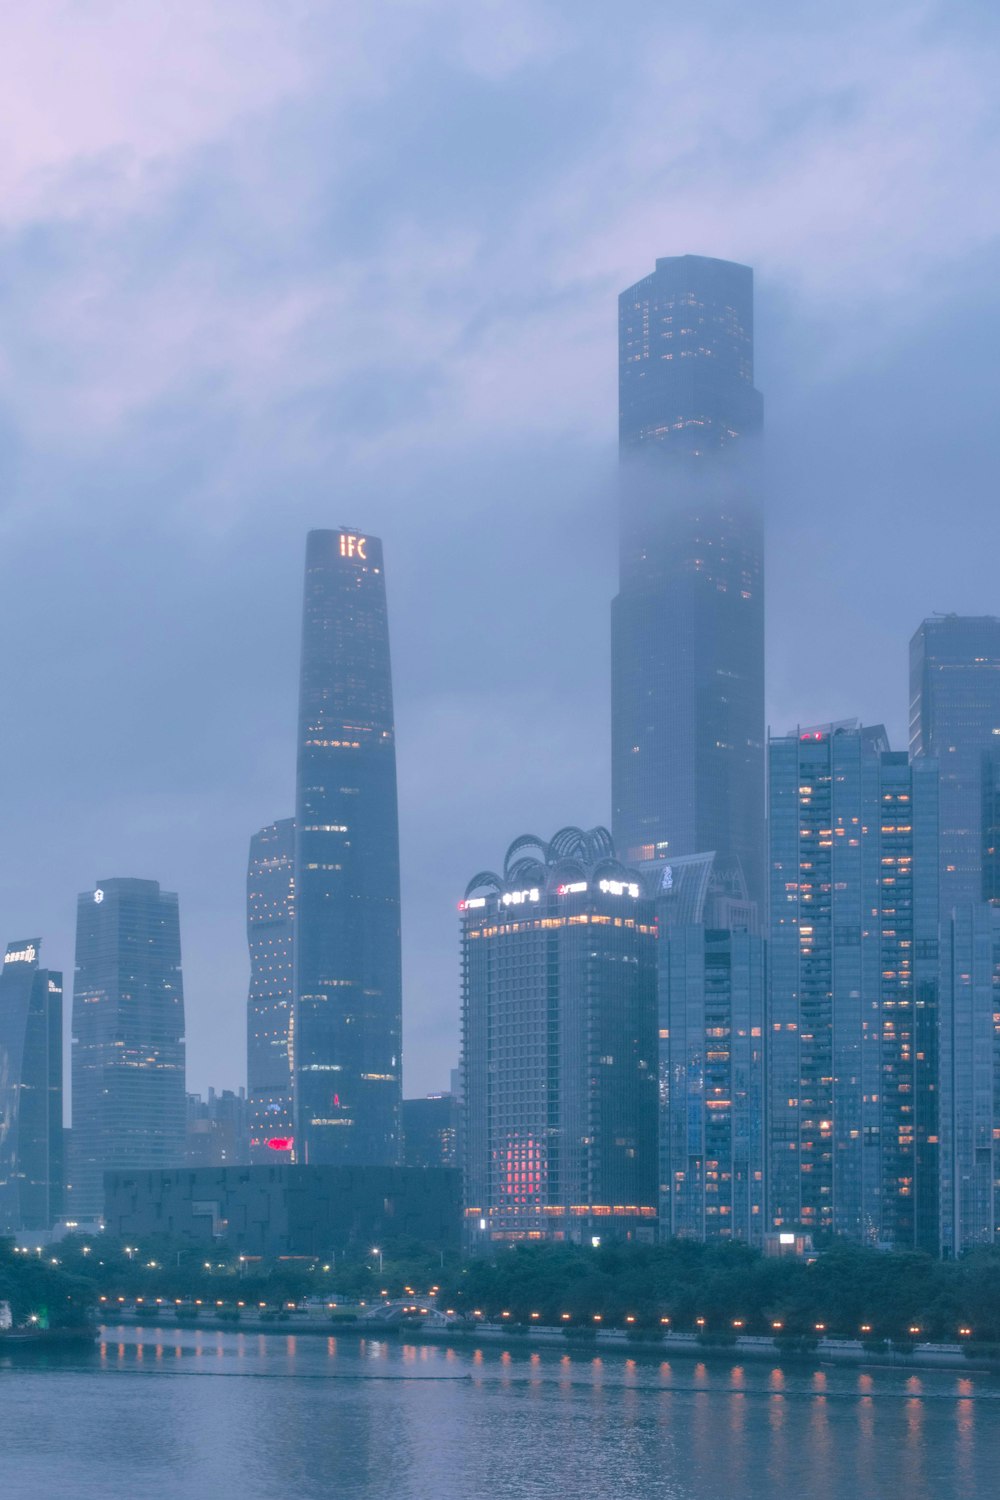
[(266, 266)]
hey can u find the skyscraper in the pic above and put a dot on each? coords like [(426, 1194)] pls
[(969, 1075), (688, 622), (711, 1005), (559, 1045), (955, 720), (31, 1127), (348, 1005), (852, 1019), (270, 937), (129, 1100)]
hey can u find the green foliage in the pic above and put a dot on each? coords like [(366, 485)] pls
[(42, 1293)]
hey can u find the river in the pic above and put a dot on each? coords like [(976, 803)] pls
[(188, 1415)]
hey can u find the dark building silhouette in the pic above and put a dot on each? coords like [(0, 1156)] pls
[(289, 1209), (955, 720), (559, 1047), (31, 1128), (129, 1099), (852, 1019), (217, 1129), (430, 1131), (347, 1026), (991, 825), (688, 622), (270, 938)]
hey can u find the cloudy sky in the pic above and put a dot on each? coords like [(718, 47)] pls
[(273, 264)]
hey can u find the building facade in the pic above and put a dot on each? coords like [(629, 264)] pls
[(688, 623), (431, 1131), (129, 1099), (218, 1132), (852, 1020), (969, 1073), (712, 1142), (348, 1002), (955, 720), (559, 1045), (271, 938), (31, 1091)]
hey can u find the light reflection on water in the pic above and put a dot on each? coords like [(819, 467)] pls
[(185, 1413)]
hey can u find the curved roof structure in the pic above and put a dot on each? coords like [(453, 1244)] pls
[(570, 855)]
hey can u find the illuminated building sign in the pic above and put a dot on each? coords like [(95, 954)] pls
[(473, 904), (25, 955), (98, 897), (281, 1143), (573, 889), (353, 546), (518, 898), (620, 888)]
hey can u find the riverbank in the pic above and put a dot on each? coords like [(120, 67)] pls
[(740, 1350)]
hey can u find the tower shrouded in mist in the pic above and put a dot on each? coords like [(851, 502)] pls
[(270, 938), (348, 1006), (688, 622)]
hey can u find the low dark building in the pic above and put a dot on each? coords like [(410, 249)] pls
[(287, 1209), (430, 1131)]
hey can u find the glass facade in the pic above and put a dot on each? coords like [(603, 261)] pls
[(348, 1004), (559, 1051), (688, 622), (955, 720), (129, 1098), (852, 1023), (970, 1079), (270, 938), (31, 1127), (711, 1003)]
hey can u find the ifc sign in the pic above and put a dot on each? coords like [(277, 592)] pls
[(353, 546)]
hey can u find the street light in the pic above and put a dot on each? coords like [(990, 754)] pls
[(377, 1251)]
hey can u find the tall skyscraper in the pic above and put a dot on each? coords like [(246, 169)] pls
[(348, 1003), (559, 1045), (969, 1075), (852, 1020), (31, 1127), (688, 623), (711, 1005), (129, 1099), (955, 720), (270, 937)]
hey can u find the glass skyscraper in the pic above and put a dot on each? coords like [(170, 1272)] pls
[(559, 1046), (955, 720), (129, 1098), (852, 1019), (688, 622), (270, 938), (348, 1005), (31, 1126)]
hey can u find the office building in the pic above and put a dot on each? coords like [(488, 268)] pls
[(129, 1098), (969, 1073), (31, 1092), (955, 720), (712, 1145), (688, 623), (218, 1133), (852, 1022), (430, 1131), (347, 1019), (270, 938), (559, 1046)]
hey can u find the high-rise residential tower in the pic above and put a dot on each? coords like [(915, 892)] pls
[(559, 1045), (688, 622), (129, 1099), (270, 937), (31, 1127), (852, 1009), (955, 720), (348, 1005)]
